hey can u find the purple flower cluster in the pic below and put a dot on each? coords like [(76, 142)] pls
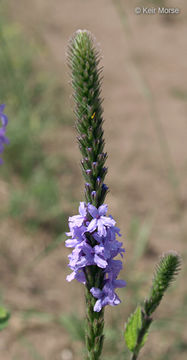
[(3, 138), (103, 230)]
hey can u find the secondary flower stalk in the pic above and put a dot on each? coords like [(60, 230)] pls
[(92, 233), (139, 322)]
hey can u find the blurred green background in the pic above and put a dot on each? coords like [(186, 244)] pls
[(145, 128)]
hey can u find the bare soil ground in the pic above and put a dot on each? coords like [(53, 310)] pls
[(145, 94)]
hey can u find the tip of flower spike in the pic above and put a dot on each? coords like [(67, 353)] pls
[(80, 34), (173, 257), (168, 267), (172, 253), (82, 39), (80, 31)]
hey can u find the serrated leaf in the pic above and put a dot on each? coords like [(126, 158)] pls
[(4, 317), (133, 327)]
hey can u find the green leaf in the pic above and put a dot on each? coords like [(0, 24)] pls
[(133, 327), (4, 317)]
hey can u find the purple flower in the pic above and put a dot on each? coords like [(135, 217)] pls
[(106, 296), (109, 250), (4, 118), (3, 138), (85, 255), (81, 256), (99, 221), (78, 220), (103, 230), (78, 275), (100, 261), (113, 269), (77, 234)]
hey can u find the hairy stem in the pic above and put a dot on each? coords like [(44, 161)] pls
[(94, 320), (146, 322)]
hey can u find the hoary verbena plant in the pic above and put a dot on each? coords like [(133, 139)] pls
[(93, 234)]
